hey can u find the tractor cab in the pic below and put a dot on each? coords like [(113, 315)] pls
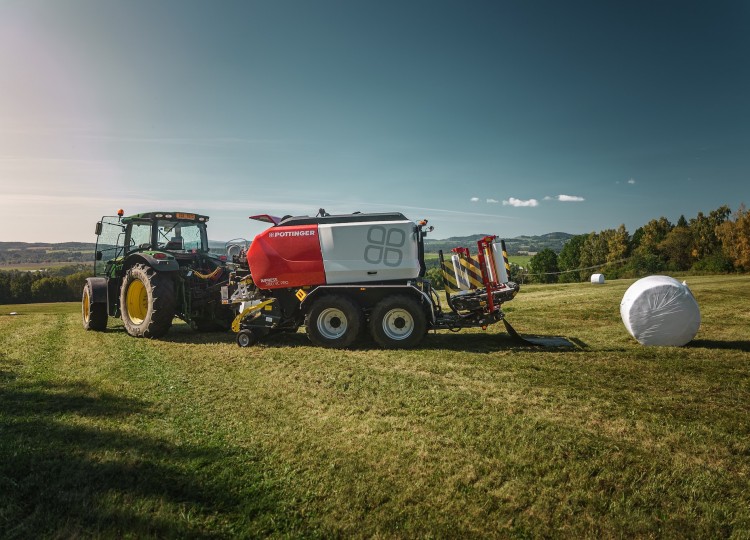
[(175, 232), (183, 236)]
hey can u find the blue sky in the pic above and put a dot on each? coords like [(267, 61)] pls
[(485, 117)]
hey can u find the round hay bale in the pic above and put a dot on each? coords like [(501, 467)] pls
[(597, 278), (659, 310)]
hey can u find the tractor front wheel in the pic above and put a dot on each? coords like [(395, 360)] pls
[(93, 314), (147, 302)]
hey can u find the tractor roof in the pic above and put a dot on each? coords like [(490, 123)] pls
[(174, 216)]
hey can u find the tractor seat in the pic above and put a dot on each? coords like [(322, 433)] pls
[(174, 244)]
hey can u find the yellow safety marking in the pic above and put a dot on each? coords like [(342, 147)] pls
[(247, 311), (301, 295), (471, 266), (449, 279), (507, 262)]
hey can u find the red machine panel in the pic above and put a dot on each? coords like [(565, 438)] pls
[(282, 257)]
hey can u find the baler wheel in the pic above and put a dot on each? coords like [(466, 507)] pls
[(398, 322), (246, 338), (333, 321)]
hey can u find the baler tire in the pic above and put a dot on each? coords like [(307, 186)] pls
[(333, 321), (147, 302), (247, 338), (398, 322), (93, 314)]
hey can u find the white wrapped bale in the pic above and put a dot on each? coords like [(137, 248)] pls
[(597, 278), (659, 310)]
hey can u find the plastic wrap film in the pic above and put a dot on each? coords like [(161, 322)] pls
[(659, 310), (597, 278)]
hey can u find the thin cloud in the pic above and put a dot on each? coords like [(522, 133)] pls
[(520, 203), (570, 198), (475, 199), (492, 201), (631, 181), (548, 198)]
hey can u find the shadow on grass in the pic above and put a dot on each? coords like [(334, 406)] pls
[(67, 470), (458, 341), (737, 345)]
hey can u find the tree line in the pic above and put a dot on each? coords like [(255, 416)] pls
[(59, 285), (715, 243)]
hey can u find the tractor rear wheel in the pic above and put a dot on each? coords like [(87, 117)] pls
[(147, 302), (93, 314), (333, 321), (398, 322)]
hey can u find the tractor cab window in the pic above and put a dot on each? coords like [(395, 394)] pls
[(140, 236), (109, 243), (183, 236)]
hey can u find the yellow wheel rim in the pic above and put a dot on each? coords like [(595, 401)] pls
[(86, 306), (137, 301)]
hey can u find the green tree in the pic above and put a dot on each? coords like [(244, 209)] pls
[(5, 296), (654, 232), (20, 287), (50, 289), (703, 229), (435, 275), (544, 265), (676, 248), (570, 258), (593, 253), (735, 238)]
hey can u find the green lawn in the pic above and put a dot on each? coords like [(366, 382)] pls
[(470, 436)]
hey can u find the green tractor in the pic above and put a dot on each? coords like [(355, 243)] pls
[(150, 268)]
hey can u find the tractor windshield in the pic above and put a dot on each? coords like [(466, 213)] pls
[(185, 236)]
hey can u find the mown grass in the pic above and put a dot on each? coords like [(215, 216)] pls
[(469, 436)]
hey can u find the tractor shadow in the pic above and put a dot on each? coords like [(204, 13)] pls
[(68, 470)]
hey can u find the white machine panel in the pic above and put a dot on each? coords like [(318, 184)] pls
[(370, 251)]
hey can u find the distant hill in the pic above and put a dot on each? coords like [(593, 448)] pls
[(519, 245), (15, 253)]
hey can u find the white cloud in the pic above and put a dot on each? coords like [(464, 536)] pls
[(570, 198), (518, 202), (492, 201), (631, 181), (475, 199), (548, 198)]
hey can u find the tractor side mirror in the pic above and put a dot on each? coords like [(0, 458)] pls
[(98, 229), (98, 255)]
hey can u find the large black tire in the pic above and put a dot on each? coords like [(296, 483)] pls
[(398, 322), (333, 321), (147, 302), (93, 314)]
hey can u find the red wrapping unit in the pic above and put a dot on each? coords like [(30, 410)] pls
[(282, 257)]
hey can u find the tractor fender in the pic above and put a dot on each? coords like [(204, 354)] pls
[(160, 265), (98, 288)]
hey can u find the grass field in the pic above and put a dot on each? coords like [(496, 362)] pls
[(469, 436)]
